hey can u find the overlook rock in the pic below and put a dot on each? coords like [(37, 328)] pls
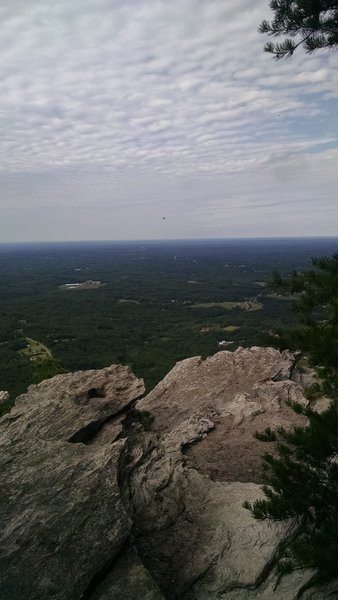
[(108, 495)]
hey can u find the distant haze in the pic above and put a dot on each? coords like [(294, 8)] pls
[(154, 120)]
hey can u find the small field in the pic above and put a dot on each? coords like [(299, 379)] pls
[(281, 297), (247, 305), (85, 285), (35, 350), (219, 328), (231, 328), (126, 301)]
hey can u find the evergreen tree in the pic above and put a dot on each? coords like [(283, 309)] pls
[(301, 478), (312, 24), (317, 310)]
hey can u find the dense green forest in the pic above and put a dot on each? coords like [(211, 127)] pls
[(158, 303)]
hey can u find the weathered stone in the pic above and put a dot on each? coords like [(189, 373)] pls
[(4, 396), (193, 534), (241, 392), (295, 586), (102, 497), (73, 407), (128, 580), (181, 474), (62, 518)]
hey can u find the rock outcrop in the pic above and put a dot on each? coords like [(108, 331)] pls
[(4, 396), (110, 496), (240, 392), (63, 522)]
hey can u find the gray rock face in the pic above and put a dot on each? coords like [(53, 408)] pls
[(190, 472), (240, 392), (62, 518), (107, 499), (63, 509), (128, 580), (73, 407)]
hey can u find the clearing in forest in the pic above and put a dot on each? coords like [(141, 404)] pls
[(35, 350), (248, 305), (126, 301)]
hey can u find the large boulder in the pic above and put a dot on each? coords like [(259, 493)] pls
[(107, 495), (63, 523), (191, 461), (241, 392)]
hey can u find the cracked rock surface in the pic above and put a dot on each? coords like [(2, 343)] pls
[(110, 496), (241, 392), (188, 473), (62, 518)]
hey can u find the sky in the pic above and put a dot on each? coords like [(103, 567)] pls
[(129, 119)]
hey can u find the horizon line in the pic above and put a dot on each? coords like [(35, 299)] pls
[(158, 240)]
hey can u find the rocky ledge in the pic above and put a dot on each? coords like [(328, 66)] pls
[(109, 495)]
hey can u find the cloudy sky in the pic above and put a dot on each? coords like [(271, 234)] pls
[(117, 113)]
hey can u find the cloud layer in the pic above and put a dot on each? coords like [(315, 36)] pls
[(116, 113)]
